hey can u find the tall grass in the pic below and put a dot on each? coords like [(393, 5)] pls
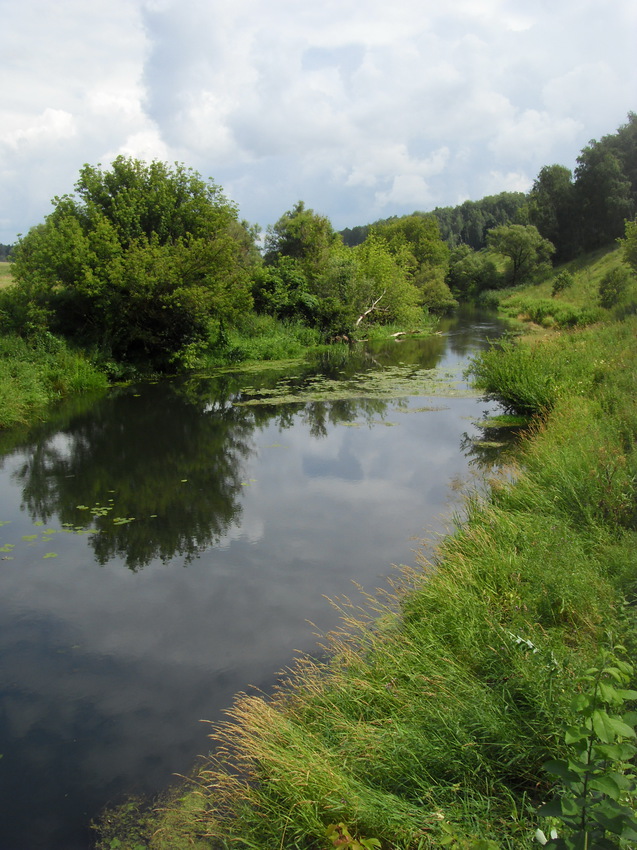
[(530, 377), (260, 337), (439, 702), (35, 374)]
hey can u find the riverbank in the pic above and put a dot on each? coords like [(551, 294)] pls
[(431, 721), (36, 373)]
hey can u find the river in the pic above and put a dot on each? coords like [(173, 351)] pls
[(170, 544)]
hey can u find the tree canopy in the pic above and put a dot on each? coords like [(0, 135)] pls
[(140, 262), (149, 264), (310, 273), (469, 222), (588, 211), (525, 249)]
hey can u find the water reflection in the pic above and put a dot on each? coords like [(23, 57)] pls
[(152, 488), (106, 668), (177, 477)]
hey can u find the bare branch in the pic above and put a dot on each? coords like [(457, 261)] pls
[(371, 309)]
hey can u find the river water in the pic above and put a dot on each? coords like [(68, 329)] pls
[(168, 545)]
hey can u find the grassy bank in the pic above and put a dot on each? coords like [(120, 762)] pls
[(34, 375), (430, 723), (38, 372), (568, 297)]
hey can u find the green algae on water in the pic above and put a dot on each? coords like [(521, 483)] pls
[(400, 381)]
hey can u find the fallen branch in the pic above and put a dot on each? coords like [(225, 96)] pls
[(367, 312)]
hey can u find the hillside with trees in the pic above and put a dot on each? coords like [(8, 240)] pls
[(575, 213)]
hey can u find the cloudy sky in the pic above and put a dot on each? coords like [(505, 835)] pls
[(361, 109)]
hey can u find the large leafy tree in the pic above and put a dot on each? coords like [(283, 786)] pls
[(416, 242), (603, 193), (471, 272), (383, 291), (418, 234), (141, 262), (303, 235), (527, 251), (307, 271), (552, 208)]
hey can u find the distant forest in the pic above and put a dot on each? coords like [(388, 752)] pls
[(576, 212), (5, 251)]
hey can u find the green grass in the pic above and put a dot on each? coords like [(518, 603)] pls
[(260, 338), (264, 338), (34, 375), (439, 703), (578, 305)]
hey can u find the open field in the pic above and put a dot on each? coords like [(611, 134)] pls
[(5, 274)]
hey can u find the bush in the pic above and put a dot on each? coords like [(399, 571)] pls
[(613, 286), (261, 338), (489, 299), (564, 280)]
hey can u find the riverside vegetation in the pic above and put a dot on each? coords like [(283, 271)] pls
[(146, 268)]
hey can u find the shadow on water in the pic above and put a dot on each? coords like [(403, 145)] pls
[(165, 546)]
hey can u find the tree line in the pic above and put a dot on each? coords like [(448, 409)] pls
[(150, 264), (577, 211)]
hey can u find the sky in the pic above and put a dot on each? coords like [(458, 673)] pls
[(361, 109)]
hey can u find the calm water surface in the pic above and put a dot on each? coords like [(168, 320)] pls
[(165, 546)]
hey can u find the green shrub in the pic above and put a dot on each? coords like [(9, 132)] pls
[(614, 285), (489, 299), (564, 280), (260, 337)]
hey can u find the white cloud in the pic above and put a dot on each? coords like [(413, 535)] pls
[(346, 106), (510, 181), (530, 135), (409, 190), (34, 131)]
